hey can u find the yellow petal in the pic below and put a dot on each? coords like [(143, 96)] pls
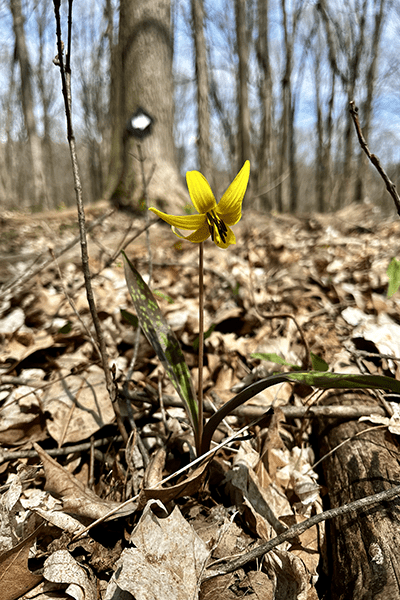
[(200, 192), (230, 206), (184, 222), (200, 235)]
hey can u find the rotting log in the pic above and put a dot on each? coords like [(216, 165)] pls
[(363, 549)]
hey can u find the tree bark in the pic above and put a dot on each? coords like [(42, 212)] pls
[(265, 153), (46, 98), (359, 191), (145, 81), (34, 142), (363, 547), (203, 112), (243, 94)]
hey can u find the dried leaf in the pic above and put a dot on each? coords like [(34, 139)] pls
[(77, 499), (167, 559), (15, 577), (79, 406), (61, 567)]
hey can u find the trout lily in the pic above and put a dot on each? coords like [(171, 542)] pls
[(213, 219)]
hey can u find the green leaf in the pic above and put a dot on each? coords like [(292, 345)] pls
[(65, 328), (318, 363), (393, 272), (129, 317), (317, 379), (272, 357), (162, 338)]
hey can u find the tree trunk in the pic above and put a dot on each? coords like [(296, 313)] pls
[(363, 551), (45, 98), (203, 112), (243, 94), (145, 81), (265, 171), (359, 191), (35, 147)]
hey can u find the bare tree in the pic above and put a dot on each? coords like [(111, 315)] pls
[(265, 150), (346, 41), (287, 131), (370, 83), (243, 94), (144, 80), (35, 148), (203, 112), (43, 15)]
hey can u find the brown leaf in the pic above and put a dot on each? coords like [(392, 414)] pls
[(15, 577), (77, 499), (166, 561)]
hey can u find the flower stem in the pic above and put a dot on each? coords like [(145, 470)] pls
[(201, 346)]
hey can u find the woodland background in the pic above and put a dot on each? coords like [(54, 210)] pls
[(268, 80)]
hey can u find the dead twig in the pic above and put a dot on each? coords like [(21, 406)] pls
[(300, 528), (65, 72), (31, 272), (390, 186)]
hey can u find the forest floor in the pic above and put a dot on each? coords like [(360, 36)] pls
[(63, 464)]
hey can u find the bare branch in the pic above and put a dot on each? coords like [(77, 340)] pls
[(390, 186)]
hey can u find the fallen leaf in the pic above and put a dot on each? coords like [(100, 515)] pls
[(167, 560), (15, 577), (61, 567), (77, 499)]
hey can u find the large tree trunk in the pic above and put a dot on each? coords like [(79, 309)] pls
[(363, 549), (34, 142), (265, 152), (243, 94), (203, 112), (145, 81)]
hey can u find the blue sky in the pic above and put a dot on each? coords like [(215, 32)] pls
[(88, 23)]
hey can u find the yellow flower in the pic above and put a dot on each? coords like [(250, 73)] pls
[(213, 219)]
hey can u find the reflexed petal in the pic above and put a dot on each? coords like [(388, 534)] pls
[(230, 206), (183, 222), (230, 239), (200, 192), (200, 235)]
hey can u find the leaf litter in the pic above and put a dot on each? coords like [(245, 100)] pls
[(63, 462)]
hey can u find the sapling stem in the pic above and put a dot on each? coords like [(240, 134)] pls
[(201, 346)]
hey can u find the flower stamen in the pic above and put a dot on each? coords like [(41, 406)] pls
[(215, 222)]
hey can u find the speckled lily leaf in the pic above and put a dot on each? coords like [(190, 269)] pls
[(162, 338)]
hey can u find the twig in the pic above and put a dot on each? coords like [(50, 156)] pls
[(73, 305), (6, 456), (390, 186), (195, 462), (30, 273), (66, 89), (299, 528)]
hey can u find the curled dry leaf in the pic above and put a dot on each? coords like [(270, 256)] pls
[(77, 499), (166, 561), (61, 567)]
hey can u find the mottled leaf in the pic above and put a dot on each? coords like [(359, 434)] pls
[(162, 338)]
